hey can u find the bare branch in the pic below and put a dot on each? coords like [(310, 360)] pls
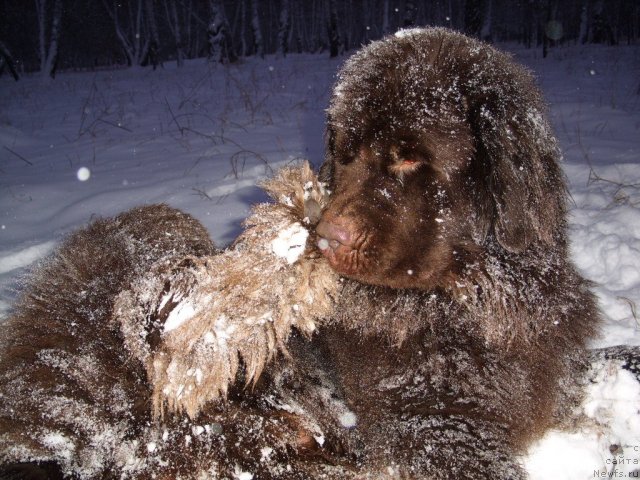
[(18, 155)]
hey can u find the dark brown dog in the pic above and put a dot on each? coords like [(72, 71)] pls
[(438, 148), (459, 331), (449, 199)]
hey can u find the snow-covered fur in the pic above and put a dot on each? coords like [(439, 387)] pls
[(193, 322), (448, 216), (136, 319), (69, 391)]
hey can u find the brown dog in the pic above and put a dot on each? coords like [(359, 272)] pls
[(457, 335), (449, 202)]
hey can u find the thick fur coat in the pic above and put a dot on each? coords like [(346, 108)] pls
[(140, 325), (453, 336), (449, 212)]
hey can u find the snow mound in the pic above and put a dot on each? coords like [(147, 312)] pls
[(607, 442)]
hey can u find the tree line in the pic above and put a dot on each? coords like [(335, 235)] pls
[(49, 35)]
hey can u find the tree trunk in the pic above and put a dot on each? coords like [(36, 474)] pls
[(385, 18), (151, 20), (48, 43), (153, 56), (409, 14), (244, 48), (256, 30), (545, 37), (220, 41), (485, 32), (284, 28), (334, 36), (6, 60), (41, 10), (601, 31), (186, 14), (533, 24), (583, 34), (299, 27), (173, 20), (474, 14), (132, 39)]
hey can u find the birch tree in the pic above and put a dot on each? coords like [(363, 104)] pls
[(174, 22), (154, 45), (284, 28), (220, 40), (334, 36), (256, 30), (385, 18), (6, 60), (129, 25), (583, 33), (409, 14), (49, 33), (487, 23), (244, 48)]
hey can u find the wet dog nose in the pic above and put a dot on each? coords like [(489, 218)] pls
[(332, 235), (337, 240)]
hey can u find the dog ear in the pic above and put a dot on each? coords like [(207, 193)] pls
[(523, 179), (513, 219)]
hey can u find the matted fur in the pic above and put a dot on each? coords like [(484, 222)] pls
[(78, 398), (69, 393), (227, 311)]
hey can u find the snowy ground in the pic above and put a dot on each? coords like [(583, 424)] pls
[(200, 137)]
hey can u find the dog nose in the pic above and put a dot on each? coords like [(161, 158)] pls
[(332, 235)]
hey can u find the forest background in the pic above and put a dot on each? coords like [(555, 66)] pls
[(53, 35)]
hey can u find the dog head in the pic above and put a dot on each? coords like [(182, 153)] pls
[(437, 148)]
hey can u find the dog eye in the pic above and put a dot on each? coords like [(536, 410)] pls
[(347, 158)]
